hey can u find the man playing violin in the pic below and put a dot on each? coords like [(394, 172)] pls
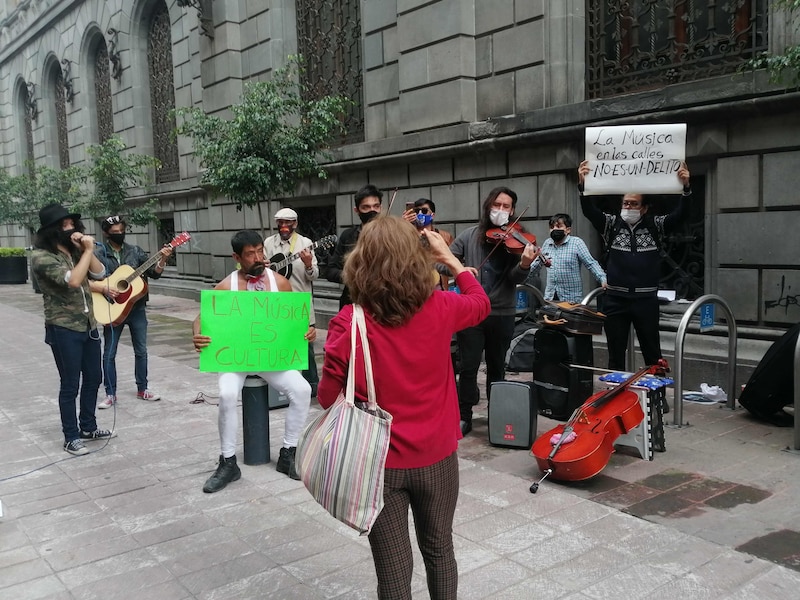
[(499, 272), (633, 267)]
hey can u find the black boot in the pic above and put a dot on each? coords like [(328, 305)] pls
[(227, 471), (286, 463)]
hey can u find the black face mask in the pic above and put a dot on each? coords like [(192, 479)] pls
[(558, 235), (117, 238), (63, 238), (367, 216)]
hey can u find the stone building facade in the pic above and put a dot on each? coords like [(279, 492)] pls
[(453, 97)]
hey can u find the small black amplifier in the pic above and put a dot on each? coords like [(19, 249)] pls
[(512, 414)]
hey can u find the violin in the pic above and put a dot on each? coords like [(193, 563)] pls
[(582, 447), (512, 236)]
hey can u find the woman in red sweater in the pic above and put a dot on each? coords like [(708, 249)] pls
[(409, 327)]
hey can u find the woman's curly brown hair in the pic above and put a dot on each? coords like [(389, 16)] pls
[(389, 271)]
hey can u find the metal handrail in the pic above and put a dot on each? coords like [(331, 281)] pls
[(797, 394), (630, 358), (678, 366)]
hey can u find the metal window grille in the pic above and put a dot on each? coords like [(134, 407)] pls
[(329, 38), (635, 45), (61, 120), (102, 93), (28, 126), (162, 94)]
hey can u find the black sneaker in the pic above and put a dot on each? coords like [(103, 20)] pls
[(286, 463), (98, 434), (227, 471), (76, 448)]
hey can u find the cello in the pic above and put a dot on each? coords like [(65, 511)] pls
[(581, 447)]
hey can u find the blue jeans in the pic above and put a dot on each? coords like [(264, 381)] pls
[(77, 356), (137, 324)]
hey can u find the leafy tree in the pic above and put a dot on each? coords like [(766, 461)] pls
[(274, 138), (111, 173), (21, 196), (786, 65)]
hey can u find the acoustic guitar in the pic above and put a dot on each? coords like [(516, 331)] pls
[(283, 264), (131, 286)]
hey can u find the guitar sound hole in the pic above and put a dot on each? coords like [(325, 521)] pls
[(122, 286)]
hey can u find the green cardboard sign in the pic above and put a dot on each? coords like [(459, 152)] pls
[(254, 331)]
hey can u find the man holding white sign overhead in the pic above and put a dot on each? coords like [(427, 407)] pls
[(633, 238)]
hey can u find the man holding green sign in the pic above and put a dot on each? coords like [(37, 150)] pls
[(264, 334)]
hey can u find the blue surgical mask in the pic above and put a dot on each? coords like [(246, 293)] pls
[(422, 220)]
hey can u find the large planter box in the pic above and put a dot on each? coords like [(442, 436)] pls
[(13, 269)]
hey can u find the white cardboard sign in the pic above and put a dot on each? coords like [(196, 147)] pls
[(642, 159)]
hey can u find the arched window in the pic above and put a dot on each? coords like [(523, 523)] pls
[(25, 127), (162, 93), (60, 111), (102, 92)]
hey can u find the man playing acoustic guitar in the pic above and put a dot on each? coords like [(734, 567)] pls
[(301, 272), (112, 254)]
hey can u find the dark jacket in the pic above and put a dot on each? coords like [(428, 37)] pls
[(346, 243), (634, 255)]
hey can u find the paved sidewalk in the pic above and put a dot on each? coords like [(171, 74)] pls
[(715, 516)]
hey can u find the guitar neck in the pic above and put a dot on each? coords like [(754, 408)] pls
[(143, 267), (282, 263)]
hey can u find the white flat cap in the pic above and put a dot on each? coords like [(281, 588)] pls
[(286, 214)]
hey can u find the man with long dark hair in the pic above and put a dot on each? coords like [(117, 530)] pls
[(499, 276), (62, 262)]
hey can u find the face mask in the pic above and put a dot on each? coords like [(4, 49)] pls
[(422, 220), (367, 216), (117, 238), (63, 237), (285, 232), (498, 217), (630, 215), (558, 235)]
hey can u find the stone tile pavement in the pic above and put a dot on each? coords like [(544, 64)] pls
[(715, 516)]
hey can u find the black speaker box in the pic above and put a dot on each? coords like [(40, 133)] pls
[(512, 414), (555, 346)]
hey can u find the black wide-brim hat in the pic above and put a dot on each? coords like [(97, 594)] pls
[(53, 213)]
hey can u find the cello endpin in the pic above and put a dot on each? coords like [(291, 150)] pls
[(535, 485)]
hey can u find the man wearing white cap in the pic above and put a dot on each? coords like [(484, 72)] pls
[(303, 271)]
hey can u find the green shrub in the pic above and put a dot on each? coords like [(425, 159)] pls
[(12, 252)]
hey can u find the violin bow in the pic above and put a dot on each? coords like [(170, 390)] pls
[(480, 266), (391, 200)]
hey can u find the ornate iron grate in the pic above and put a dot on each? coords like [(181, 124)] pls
[(635, 45), (102, 93), (28, 126), (61, 119), (162, 94), (329, 38)]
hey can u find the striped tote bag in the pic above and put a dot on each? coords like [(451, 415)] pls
[(341, 455)]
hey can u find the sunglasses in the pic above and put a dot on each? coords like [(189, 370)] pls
[(422, 209), (114, 220)]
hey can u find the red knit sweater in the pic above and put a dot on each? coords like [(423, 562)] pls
[(413, 372)]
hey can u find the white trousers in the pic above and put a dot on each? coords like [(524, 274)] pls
[(291, 383)]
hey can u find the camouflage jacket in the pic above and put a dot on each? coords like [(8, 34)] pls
[(64, 306)]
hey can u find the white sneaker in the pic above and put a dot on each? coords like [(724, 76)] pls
[(148, 395), (108, 402)]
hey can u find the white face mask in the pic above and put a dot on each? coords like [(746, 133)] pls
[(498, 217), (630, 215)]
